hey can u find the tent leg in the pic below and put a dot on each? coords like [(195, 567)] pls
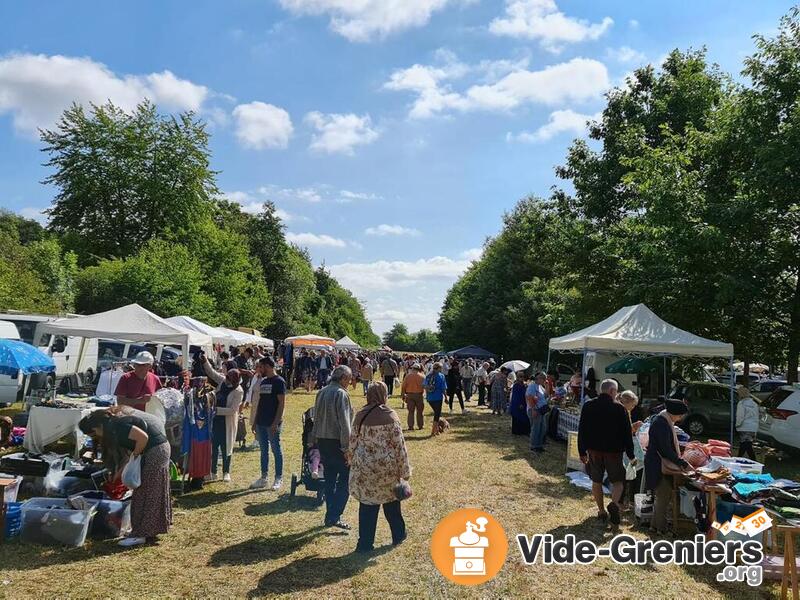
[(583, 376), (733, 408), (665, 379), (547, 367)]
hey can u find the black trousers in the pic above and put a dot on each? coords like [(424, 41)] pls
[(746, 449), (389, 381), (437, 409), (337, 479), (452, 394), (368, 522), (481, 394)]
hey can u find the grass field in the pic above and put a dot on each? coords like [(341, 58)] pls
[(230, 542)]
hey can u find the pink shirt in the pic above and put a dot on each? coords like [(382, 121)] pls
[(130, 386)]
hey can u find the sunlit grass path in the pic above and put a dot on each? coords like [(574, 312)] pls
[(229, 541)]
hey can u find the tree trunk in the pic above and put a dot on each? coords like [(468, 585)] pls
[(794, 335)]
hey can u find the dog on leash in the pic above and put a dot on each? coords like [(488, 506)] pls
[(440, 426)]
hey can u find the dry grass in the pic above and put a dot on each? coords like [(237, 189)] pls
[(230, 542)]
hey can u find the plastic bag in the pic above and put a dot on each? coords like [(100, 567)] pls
[(132, 473), (644, 435), (630, 472)]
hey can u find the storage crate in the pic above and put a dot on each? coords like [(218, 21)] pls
[(53, 521), (573, 456), (687, 502), (113, 517), (13, 519), (740, 465)]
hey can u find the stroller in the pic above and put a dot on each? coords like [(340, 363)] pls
[(311, 484)]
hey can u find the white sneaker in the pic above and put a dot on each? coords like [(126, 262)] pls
[(130, 542), (314, 474), (277, 485), (258, 484), (226, 477)]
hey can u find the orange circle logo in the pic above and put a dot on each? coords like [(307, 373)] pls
[(469, 546)]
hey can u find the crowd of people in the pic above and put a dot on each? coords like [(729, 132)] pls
[(363, 453)]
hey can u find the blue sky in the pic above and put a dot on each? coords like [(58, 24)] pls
[(392, 135)]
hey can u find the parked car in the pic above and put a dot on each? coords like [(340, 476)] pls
[(780, 418), (764, 388), (709, 407), (725, 378)]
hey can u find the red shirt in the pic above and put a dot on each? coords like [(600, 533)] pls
[(130, 386)]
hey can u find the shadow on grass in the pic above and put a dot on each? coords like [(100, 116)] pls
[(207, 497), (311, 572), (20, 556), (262, 548), (283, 504)]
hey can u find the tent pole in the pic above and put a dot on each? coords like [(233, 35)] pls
[(583, 376), (665, 379), (733, 415), (547, 367)]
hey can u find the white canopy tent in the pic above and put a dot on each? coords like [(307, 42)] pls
[(217, 335), (347, 344), (240, 338), (637, 330), (131, 323)]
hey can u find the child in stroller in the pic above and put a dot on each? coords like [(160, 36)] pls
[(312, 473)]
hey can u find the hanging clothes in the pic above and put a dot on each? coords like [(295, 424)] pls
[(197, 426)]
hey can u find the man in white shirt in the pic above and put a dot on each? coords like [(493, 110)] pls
[(467, 372)]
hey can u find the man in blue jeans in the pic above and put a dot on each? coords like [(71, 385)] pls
[(333, 418), (266, 414)]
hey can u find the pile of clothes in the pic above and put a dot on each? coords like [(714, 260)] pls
[(699, 455), (780, 495)]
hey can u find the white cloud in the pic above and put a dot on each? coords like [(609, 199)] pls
[(260, 125), (364, 20), (315, 240), (472, 254), (541, 20), (398, 230), (577, 80), (385, 275), (36, 88), (253, 203), (35, 214), (626, 54), (633, 24), (561, 121), (340, 133), (346, 196)]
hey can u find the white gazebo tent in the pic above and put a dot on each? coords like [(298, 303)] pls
[(347, 344), (217, 335), (241, 338), (131, 323), (311, 341), (636, 330)]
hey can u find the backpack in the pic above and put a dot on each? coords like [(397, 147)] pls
[(430, 382)]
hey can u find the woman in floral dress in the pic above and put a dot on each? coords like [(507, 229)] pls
[(379, 461)]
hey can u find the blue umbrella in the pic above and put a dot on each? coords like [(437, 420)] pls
[(16, 356)]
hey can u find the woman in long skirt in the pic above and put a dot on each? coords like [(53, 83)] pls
[(520, 423), (124, 433), (497, 391)]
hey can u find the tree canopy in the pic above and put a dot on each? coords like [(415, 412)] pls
[(684, 198)]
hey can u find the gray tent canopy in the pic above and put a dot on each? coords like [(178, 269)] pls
[(471, 352)]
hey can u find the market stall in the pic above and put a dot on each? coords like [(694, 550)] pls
[(311, 341), (241, 338), (475, 352), (347, 344), (217, 334), (637, 331)]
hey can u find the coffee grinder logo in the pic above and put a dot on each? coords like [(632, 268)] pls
[(469, 547)]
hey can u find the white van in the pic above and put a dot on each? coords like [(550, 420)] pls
[(65, 350), (9, 386)]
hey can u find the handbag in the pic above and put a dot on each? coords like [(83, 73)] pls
[(132, 473), (402, 490), (670, 468)]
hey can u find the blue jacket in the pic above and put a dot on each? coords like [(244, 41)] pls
[(439, 384)]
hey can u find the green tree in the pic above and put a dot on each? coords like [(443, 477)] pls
[(398, 337), (164, 278), (426, 340), (124, 179), (21, 288)]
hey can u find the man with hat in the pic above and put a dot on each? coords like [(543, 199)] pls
[(663, 460), (136, 387)]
